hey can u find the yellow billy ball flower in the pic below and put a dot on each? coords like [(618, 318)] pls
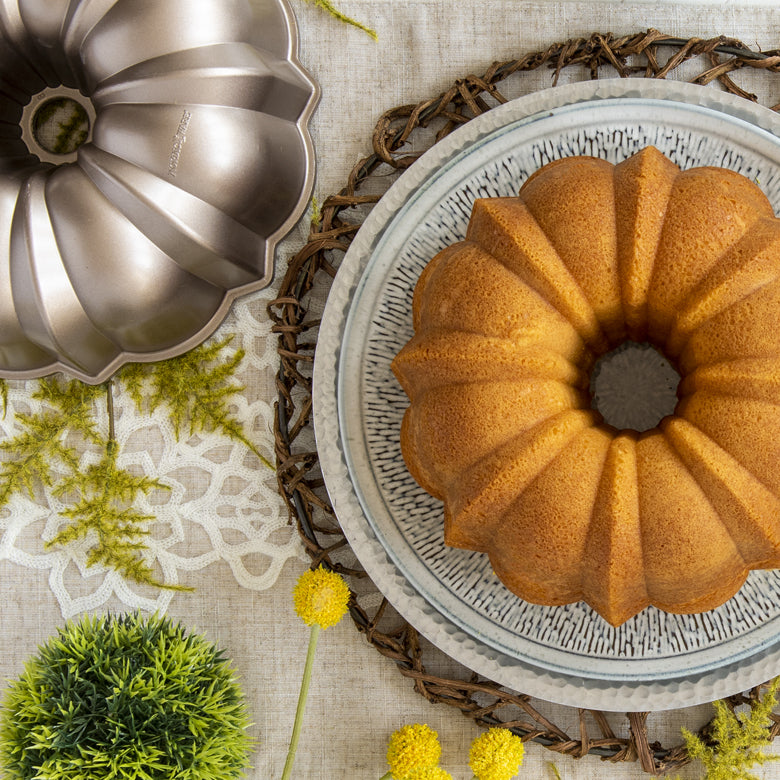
[(321, 597), (496, 754), (412, 749), (430, 773)]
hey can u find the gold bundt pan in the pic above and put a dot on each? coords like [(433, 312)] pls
[(197, 161)]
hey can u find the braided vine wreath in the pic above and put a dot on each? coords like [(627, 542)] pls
[(401, 135)]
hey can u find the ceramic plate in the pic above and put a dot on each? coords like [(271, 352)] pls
[(568, 654)]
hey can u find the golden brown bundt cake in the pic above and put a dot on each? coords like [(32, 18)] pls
[(508, 324)]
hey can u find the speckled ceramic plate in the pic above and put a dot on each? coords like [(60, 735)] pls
[(567, 654)]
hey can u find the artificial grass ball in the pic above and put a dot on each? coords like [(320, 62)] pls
[(125, 697)]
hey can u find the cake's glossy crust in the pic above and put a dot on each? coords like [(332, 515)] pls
[(507, 325)]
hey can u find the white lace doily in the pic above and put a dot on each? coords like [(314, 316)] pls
[(222, 504)]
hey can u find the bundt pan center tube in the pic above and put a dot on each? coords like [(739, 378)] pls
[(508, 324), (160, 197)]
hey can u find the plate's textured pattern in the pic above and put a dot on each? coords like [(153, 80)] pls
[(134, 247), (384, 508)]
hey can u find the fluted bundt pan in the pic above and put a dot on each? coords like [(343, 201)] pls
[(193, 159)]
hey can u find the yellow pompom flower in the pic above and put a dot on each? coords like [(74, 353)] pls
[(496, 754), (412, 749), (431, 773), (321, 597)]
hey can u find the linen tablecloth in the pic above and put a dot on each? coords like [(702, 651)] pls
[(357, 697)]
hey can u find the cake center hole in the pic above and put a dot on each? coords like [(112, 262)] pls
[(60, 125), (634, 386)]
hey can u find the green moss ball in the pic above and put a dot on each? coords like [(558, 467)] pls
[(125, 697)]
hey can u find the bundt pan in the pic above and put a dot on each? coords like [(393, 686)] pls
[(193, 160)]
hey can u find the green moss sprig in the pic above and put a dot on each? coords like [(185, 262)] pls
[(45, 454), (116, 698), (342, 17), (41, 446), (106, 494), (195, 389), (738, 739)]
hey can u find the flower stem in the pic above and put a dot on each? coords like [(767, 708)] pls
[(388, 776), (313, 636)]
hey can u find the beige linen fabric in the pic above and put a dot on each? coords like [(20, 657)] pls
[(357, 697)]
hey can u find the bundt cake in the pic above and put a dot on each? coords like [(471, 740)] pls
[(133, 245), (508, 324)]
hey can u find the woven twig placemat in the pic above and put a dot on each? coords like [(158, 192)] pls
[(401, 135)]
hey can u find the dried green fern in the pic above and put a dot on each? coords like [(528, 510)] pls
[(738, 739), (105, 510), (195, 388), (42, 446)]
